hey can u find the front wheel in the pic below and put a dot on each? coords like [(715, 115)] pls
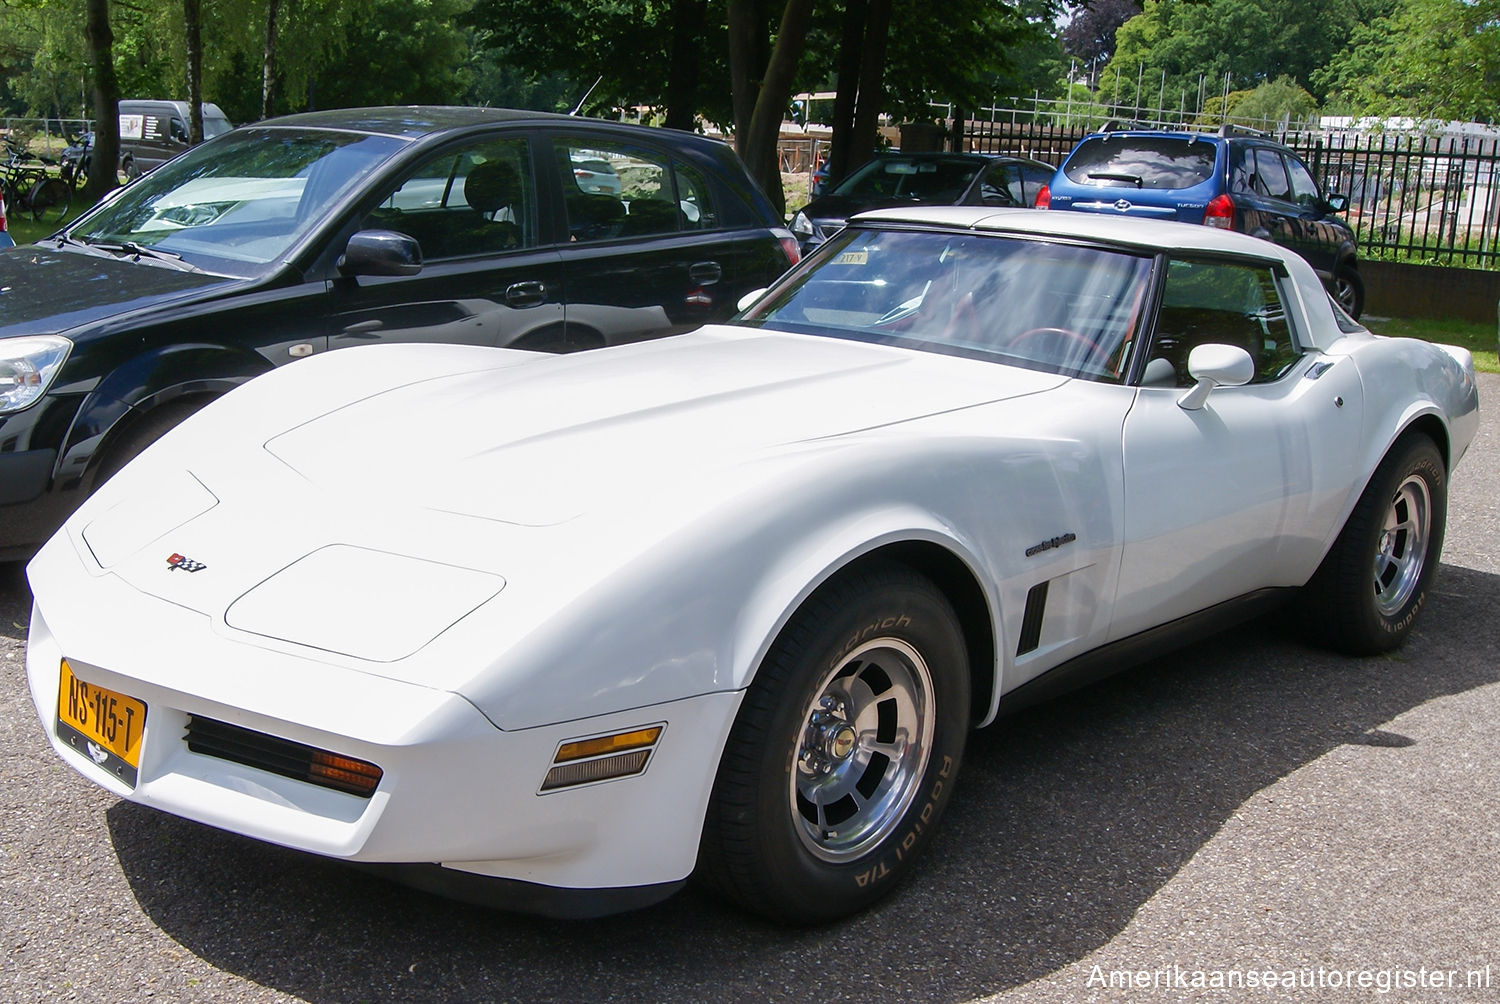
[(1373, 584), (845, 750), (49, 199)]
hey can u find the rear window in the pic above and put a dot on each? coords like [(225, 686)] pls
[(916, 178), (1169, 162)]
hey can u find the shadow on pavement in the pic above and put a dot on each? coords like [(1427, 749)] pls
[(1070, 817)]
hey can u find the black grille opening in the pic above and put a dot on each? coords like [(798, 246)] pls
[(209, 737)]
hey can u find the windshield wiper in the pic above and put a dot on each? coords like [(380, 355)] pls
[(1132, 179), (131, 248)]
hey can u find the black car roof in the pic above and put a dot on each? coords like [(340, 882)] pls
[(409, 121)]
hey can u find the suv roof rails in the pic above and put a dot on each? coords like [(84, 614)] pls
[(1230, 129)]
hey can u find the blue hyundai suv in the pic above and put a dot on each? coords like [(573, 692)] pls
[(1237, 179)]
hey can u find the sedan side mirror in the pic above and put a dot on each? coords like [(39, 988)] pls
[(381, 252), (1337, 203), (1215, 365)]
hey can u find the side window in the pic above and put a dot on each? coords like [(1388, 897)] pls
[(1225, 303), (1002, 186), (476, 199), (695, 198), (1270, 174), (613, 190), (1304, 188), (1241, 169)]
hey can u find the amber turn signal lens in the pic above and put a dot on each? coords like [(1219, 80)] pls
[(618, 743), (354, 776)]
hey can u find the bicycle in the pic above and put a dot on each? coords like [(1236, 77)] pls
[(29, 187)]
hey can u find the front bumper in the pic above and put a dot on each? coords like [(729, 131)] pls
[(458, 797)]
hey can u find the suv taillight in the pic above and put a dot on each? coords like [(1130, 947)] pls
[(1043, 198), (1220, 213)]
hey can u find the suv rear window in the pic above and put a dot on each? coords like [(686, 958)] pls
[(1167, 162)]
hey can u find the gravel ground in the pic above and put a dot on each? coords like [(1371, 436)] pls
[(1245, 806)]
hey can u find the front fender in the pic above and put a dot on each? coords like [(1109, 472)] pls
[(145, 382)]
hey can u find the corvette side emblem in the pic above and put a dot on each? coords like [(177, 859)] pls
[(187, 564), (96, 754)]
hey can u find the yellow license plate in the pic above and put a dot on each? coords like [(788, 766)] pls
[(104, 726)]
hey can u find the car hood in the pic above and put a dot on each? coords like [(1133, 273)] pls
[(543, 442), (47, 291), (422, 479)]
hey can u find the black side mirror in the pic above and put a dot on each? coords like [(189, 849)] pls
[(1337, 203), (381, 252)]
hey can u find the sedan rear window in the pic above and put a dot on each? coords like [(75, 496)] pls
[(1166, 162), (926, 179)]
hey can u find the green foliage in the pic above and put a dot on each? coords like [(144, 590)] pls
[(396, 52), (1424, 58), (1267, 106), (1180, 48)]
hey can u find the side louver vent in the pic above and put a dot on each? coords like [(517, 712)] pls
[(1031, 620)]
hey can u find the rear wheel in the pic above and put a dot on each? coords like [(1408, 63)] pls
[(1373, 584), (844, 753), (1349, 290)]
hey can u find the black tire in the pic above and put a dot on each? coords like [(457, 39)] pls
[(1396, 529), (49, 199), (127, 442), (1349, 290), (131, 171), (826, 793)]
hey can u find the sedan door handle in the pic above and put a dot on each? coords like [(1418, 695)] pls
[(706, 273), (525, 294)]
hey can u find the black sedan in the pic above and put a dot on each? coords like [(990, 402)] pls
[(892, 180), (307, 233)]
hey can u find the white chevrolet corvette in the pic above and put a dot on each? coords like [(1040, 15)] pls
[(559, 632)]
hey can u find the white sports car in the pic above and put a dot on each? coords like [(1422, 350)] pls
[(558, 632)]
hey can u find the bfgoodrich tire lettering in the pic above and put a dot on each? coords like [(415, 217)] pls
[(845, 750), (1373, 584)]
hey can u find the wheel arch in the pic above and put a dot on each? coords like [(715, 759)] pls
[(165, 377), (943, 561)]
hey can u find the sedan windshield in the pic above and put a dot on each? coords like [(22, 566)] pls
[(238, 204), (1054, 307)]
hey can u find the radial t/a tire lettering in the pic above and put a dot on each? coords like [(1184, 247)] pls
[(1373, 584), (845, 750)]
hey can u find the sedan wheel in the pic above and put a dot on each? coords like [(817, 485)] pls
[(844, 752), (1349, 290), (1373, 584)]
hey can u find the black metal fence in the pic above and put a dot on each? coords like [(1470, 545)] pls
[(1423, 199)]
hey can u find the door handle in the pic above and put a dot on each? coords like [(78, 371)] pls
[(364, 329), (525, 294), (706, 273)]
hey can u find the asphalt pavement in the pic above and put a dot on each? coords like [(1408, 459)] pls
[(1249, 813)]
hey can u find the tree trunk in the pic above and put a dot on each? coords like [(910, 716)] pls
[(742, 67), (106, 95), (268, 63), (193, 34), (688, 19), (871, 79), (759, 147), (841, 155)]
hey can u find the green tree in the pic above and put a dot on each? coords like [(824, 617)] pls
[(1175, 47), (1425, 58)]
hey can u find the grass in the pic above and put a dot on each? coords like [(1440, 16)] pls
[(24, 231), (1477, 337)]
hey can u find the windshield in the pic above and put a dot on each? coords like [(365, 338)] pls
[(925, 179), (236, 205), (1054, 307)]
